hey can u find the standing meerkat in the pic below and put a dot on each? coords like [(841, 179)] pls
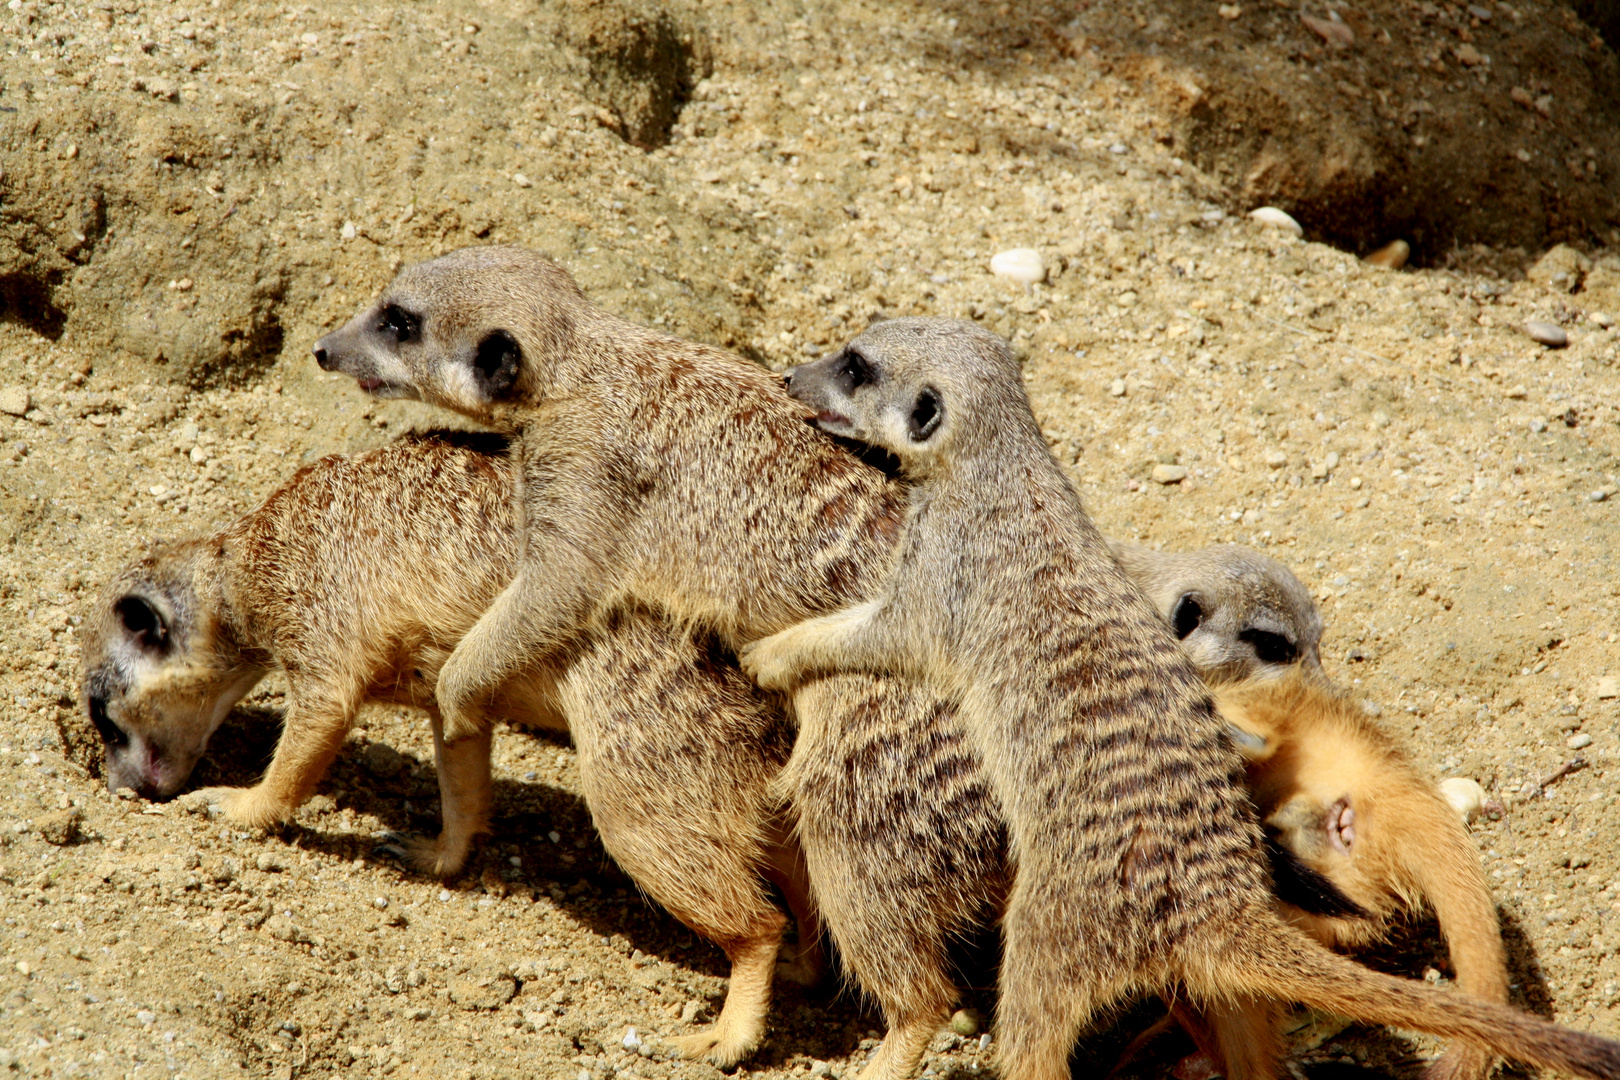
[(1138, 862), (356, 579), (1237, 613)]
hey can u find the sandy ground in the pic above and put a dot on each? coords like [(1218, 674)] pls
[(189, 196)]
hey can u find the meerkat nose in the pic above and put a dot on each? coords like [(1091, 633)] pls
[(321, 358), (787, 377)]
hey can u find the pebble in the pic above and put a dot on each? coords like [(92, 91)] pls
[(1601, 494), (1392, 256), (270, 863), (1468, 56), (14, 401), (1331, 31), (1275, 459), (1607, 686), (1020, 264), (1579, 742), (631, 1041), (1465, 796), (1270, 215), (966, 1022), (1549, 334), (60, 828), (1117, 388), (522, 181), (1169, 474), (348, 232), (489, 990)]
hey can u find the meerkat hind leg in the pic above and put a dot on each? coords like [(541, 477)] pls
[(741, 1024), (901, 1051)]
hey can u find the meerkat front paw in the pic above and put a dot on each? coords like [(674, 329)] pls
[(722, 1045), (769, 661), (251, 807)]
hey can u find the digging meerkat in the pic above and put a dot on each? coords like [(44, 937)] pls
[(1138, 862), (356, 579), (1237, 612)]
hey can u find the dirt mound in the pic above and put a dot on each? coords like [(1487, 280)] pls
[(183, 203), (1441, 123)]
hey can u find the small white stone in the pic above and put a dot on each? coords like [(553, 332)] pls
[(444, 896), (522, 181), (1270, 215), (1607, 686), (1169, 474), (1275, 459), (348, 232), (1549, 334), (380, 902), (1020, 264), (1579, 742), (554, 836), (14, 401), (1117, 388), (631, 1041), (1465, 796)]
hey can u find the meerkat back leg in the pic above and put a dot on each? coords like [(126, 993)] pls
[(464, 801), (676, 755), (904, 843), (311, 736), (1245, 1031)]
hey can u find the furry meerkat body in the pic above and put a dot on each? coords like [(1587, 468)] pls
[(1237, 612), (357, 578), (1341, 796), (1137, 859)]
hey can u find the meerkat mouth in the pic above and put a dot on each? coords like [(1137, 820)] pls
[(828, 416), (1341, 825), (370, 385)]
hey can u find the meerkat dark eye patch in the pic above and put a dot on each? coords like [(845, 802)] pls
[(926, 413), (1187, 616), (1269, 647), (143, 622), (856, 370), (497, 361), (111, 734), (400, 323)]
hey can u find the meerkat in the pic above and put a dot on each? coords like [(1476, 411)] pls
[(1137, 860), (1238, 613), (356, 578), (1334, 790)]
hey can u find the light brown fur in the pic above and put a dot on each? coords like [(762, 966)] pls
[(1341, 795), (1138, 862), (357, 578)]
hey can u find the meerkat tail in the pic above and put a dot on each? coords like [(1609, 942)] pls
[(1281, 962)]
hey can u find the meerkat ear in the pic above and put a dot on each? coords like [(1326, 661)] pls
[(497, 362), (926, 413), (143, 622), (1187, 615)]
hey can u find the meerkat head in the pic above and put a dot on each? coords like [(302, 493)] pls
[(908, 386), (458, 331), (1237, 613), (158, 676)]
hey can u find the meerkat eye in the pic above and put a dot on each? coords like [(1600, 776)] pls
[(497, 361), (1269, 647), (856, 370), (1187, 616), (143, 622), (926, 414), (399, 322)]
